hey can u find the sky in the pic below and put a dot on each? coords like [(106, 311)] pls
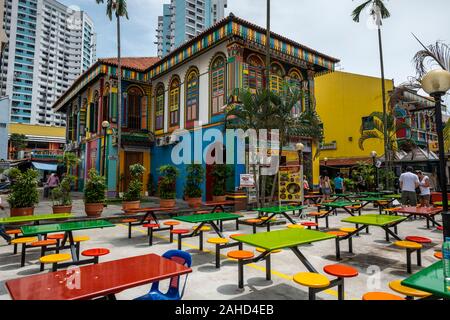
[(324, 25)]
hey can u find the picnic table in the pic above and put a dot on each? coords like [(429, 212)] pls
[(313, 197), (210, 219), (149, 212), (362, 222), (36, 219), (372, 194), (105, 279), (430, 280), (271, 212), (428, 213), (219, 205), (276, 240), (68, 228), (381, 202), (345, 196), (333, 206)]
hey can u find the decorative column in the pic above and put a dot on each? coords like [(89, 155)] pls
[(235, 70), (310, 90)]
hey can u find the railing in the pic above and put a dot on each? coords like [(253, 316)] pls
[(44, 154)]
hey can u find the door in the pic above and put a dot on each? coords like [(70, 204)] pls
[(130, 159)]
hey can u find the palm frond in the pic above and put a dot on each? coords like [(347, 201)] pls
[(438, 53), (368, 135), (383, 9), (357, 11)]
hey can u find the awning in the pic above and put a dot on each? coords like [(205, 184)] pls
[(45, 166)]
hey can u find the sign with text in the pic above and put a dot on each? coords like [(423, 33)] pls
[(247, 181), (289, 188)]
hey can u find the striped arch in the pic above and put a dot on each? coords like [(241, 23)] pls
[(173, 118), (192, 96), (159, 106), (217, 83)]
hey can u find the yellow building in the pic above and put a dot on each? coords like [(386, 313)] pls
[(344, 101)]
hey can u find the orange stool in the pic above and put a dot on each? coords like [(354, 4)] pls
[(130, 224), (438, 255), (43, 245), (15, 233), (254, 222), (171, 224), (241, 256), (372, 296), (339, 235), (309, 225)]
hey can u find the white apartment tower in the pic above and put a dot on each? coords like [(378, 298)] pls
[(50, 45), (182, 20)]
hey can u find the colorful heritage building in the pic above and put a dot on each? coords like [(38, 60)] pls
[(191, 85)]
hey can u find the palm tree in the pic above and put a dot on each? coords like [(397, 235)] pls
[(378, 11), (119, 8)]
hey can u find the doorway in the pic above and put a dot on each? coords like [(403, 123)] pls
[(131, 158)]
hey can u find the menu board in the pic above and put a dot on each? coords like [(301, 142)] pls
[(289, 184)]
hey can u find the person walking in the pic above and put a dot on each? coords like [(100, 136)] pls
[(409, 182), (338, 184), (425, 189), (326, 188), (52, 182)]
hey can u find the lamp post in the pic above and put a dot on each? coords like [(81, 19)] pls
[(300, 147), (325, 160), (105, 126), (374, 155), (436, 83)]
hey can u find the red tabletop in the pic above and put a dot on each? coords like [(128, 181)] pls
[(96, 280), (421, 211), (219, 203), (146, 210)]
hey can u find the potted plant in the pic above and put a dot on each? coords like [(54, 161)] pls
[(24, 194), (94, 194), (61, 198), (167, 186), (219, 173), (132, 197), (192, 190)]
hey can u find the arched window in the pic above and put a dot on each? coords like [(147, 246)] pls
[(93, 113), (255, 75), (134, 100), (217, 85), (159, 107), (105, 104), (174, 103), (192, 98), (276, 78), (295, 80)]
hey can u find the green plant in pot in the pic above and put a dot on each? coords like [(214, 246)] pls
[(24, 194), (167, 185), (132, 197), (62, 200), (94, 194), (219, 174), (192, 189)]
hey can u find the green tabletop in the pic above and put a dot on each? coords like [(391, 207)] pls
[(393, 196), (374, 220), (34, 218), (430, 280), (339, 204), (283, 238), (66, 226), (439, 203), (280, 209), (199, 218), (370, 199), (372, 194)]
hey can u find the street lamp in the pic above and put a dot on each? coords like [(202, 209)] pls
[(325, 160), (374, 155), (105, 126), (436, 83), (300, 147)]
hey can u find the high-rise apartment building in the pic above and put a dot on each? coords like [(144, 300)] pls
[(50, 45), (182, 20)]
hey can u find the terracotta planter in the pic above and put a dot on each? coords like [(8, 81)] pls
[(194, 202), (18, 212), (93, 209), (219, 198), (62, 209), (128, 205), (167, 203)]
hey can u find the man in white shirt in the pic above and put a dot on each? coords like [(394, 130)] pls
[(409, 182)]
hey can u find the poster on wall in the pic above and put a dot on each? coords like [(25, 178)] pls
[(247, 181), (289, 188)]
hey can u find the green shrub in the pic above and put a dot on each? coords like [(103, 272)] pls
[(95, 188), (220, 173), (194, 179), (167, 182), (24, 193), (135, 186), (61, 194)]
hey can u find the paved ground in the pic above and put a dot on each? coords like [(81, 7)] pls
[(378, 262)]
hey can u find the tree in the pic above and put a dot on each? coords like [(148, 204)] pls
[(119, 8), (378, 11), (18, 142)]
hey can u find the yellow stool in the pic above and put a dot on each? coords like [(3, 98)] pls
[(219, 243), (295, 226), (410, 248), (410, 293), (24, 241), (202, 229), (348, 230), (77, 240), (54, 259), (261, 250), (312, 281)]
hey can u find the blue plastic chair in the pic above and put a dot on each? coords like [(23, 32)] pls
[(173, 293)]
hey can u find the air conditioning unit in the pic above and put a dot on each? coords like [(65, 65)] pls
[(173, 139), (160, 142)]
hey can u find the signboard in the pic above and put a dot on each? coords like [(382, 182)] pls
[(433, 146), (289, 188), (378, 164), (247, 181), (329, 146)]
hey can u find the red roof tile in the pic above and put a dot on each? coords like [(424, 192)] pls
[(135, 63)]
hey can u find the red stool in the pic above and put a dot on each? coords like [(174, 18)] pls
[(421, 240), (95, 253), (180, 232), (310, 225), (440, 228), (341, 272), (150, 227)]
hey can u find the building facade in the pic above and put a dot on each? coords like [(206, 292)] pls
[(189, 90), (344, 103), (50, 45), (182, 20)]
